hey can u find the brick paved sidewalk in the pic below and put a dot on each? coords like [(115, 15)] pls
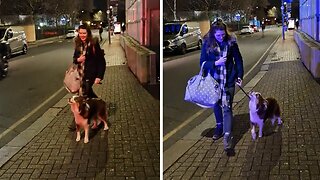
[(130, 149), (291, 151)]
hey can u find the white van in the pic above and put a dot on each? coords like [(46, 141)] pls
[(181, 36), (291, 24), (117, 28), (15, 39)]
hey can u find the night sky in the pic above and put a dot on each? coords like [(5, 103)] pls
[(100, 4)]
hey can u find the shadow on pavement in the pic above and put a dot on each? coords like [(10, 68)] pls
[(241, 125), (263, 155), (208, 132)]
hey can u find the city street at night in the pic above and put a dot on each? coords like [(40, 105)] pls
[(179, 69), (288, 151), (47, 132)]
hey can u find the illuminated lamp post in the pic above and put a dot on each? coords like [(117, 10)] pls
[(282, 13), (108, 14), (108, 17)]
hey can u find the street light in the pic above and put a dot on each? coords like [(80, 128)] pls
[(108, 15), (282, 12)]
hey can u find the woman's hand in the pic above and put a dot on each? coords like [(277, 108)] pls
[(239, 81), (97, 81), (221, 61), (81, 59)]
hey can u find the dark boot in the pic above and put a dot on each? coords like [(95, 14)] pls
[(218, 132), (228, 144)]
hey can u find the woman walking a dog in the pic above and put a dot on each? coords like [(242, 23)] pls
[(224, 62), (90, 60), (89, 57)]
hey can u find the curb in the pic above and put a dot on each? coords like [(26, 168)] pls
[(177, 150)]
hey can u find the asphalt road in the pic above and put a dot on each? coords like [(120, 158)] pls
[(34, 79), (178, 69)]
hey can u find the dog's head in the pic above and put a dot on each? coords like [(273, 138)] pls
[(257, 103), (79, 105)]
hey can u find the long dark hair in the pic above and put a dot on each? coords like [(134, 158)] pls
[(209, 38), (78, 41)]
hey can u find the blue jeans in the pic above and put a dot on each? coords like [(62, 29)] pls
[(224, 116)]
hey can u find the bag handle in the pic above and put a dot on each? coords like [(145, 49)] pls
[(200, 73)]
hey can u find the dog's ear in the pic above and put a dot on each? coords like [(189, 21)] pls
[(261, 107), (260, 99)]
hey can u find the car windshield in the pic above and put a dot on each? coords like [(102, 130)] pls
[(2, 31), (171, 29), (71, 31)]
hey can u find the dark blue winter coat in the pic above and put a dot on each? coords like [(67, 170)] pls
[(234, 63)]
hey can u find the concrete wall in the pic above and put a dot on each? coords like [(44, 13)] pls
[(204, 27), (141, 61), (30, 32), (310, 53)]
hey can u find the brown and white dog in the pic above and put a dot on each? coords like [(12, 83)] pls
[(85, 109), (262, 109)]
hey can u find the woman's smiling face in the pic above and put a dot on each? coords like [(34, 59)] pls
[(83, 34), (220, 35)]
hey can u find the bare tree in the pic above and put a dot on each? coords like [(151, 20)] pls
[(229, 6), (53, 8), (58, 9), (169, 4)]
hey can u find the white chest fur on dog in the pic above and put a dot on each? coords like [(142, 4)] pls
[(260, 110)]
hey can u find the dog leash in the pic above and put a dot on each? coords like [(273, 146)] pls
[(244, 91)]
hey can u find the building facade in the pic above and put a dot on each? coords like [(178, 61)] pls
[(310, 18), (143, 21)]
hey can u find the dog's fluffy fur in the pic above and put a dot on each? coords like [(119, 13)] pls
[(262, 109), (86, 109)]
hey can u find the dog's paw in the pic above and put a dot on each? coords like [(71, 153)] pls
[(254, 136), (86, 141), (105, 128), (78, 139), (279, 122)]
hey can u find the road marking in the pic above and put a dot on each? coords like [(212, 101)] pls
[(261, 57), (190, 119), (171, 133), (11, 128)]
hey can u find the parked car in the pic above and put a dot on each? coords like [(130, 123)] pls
[(255, 28), (246, 29), (181, 36), (71, 34), (15, 40)]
